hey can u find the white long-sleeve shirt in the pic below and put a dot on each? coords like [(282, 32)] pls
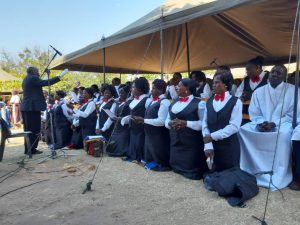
[(132, 105), (108, 122), (179, 106), (253, 85), (91, 106), (206, 91), (233, 125), (172, 90), (162, 113)]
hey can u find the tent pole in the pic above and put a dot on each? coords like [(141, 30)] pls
[(187, 48), (121, 77), (162, 47), (161, 55), (296, 76), (104, 61)]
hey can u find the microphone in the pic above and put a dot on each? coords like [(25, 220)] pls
[(212, 62), (58, 52)]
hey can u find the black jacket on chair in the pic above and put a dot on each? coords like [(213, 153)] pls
[(33, 97)]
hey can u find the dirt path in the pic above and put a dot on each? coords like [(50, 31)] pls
[(123, 193)]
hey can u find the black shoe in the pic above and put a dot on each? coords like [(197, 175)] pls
[(37, 152)]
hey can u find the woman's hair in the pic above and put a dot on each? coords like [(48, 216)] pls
[(160, 84), (95, 88), (200, 76), (111, 89), (190, 84), (142, 85), (125, 88), (259, 61), (90, 91), (177, 76), (82, 88), (226, 78), (61, 94), (224, 67)]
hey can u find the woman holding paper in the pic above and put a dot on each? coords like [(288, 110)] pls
[(104, 125), (221, 123)]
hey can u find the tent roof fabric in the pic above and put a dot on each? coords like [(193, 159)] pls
[(4, 76), (230, 31)]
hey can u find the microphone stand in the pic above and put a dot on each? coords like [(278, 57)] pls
[(53, 153)]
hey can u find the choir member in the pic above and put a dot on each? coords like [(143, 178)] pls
[(116, 82), (268, 136), (171, 88), (119, 143), (203, 90), (227, 68), (96, 91), (104, 125), (255, 78), (140, 91), (157, 140), (86, 115), (221, 123), (63, 117), (184, 122)]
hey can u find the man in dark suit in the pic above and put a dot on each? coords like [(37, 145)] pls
[(33, 103)]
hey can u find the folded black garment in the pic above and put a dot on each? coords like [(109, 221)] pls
[(236, 185)]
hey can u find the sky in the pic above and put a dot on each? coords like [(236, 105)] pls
[(68, 25)]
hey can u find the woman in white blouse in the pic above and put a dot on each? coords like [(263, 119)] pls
[(104, 124), (157, 140), (86, 114), (221, 123), (140, 91), (185, 122)]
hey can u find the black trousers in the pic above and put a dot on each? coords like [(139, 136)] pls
[(32, 122), (296, 158)]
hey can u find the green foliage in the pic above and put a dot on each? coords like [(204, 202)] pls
[(36, 57)]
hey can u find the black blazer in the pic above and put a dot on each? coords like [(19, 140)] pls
[(33, 97)]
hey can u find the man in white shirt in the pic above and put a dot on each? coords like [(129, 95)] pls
[(268, 136), (203, 90)]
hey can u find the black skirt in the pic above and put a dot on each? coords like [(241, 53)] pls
[(157, 145), (119, 142), (186, 153)]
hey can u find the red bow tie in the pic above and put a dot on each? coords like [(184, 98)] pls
[(255, 79), (184, 99), (137, 97), (105, 100), (219, 97), (155, 99)]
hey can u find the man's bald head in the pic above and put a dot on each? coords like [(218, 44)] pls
[(277, 75)]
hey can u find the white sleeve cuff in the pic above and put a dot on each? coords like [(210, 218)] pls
[(216, 136), (208, 146)]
